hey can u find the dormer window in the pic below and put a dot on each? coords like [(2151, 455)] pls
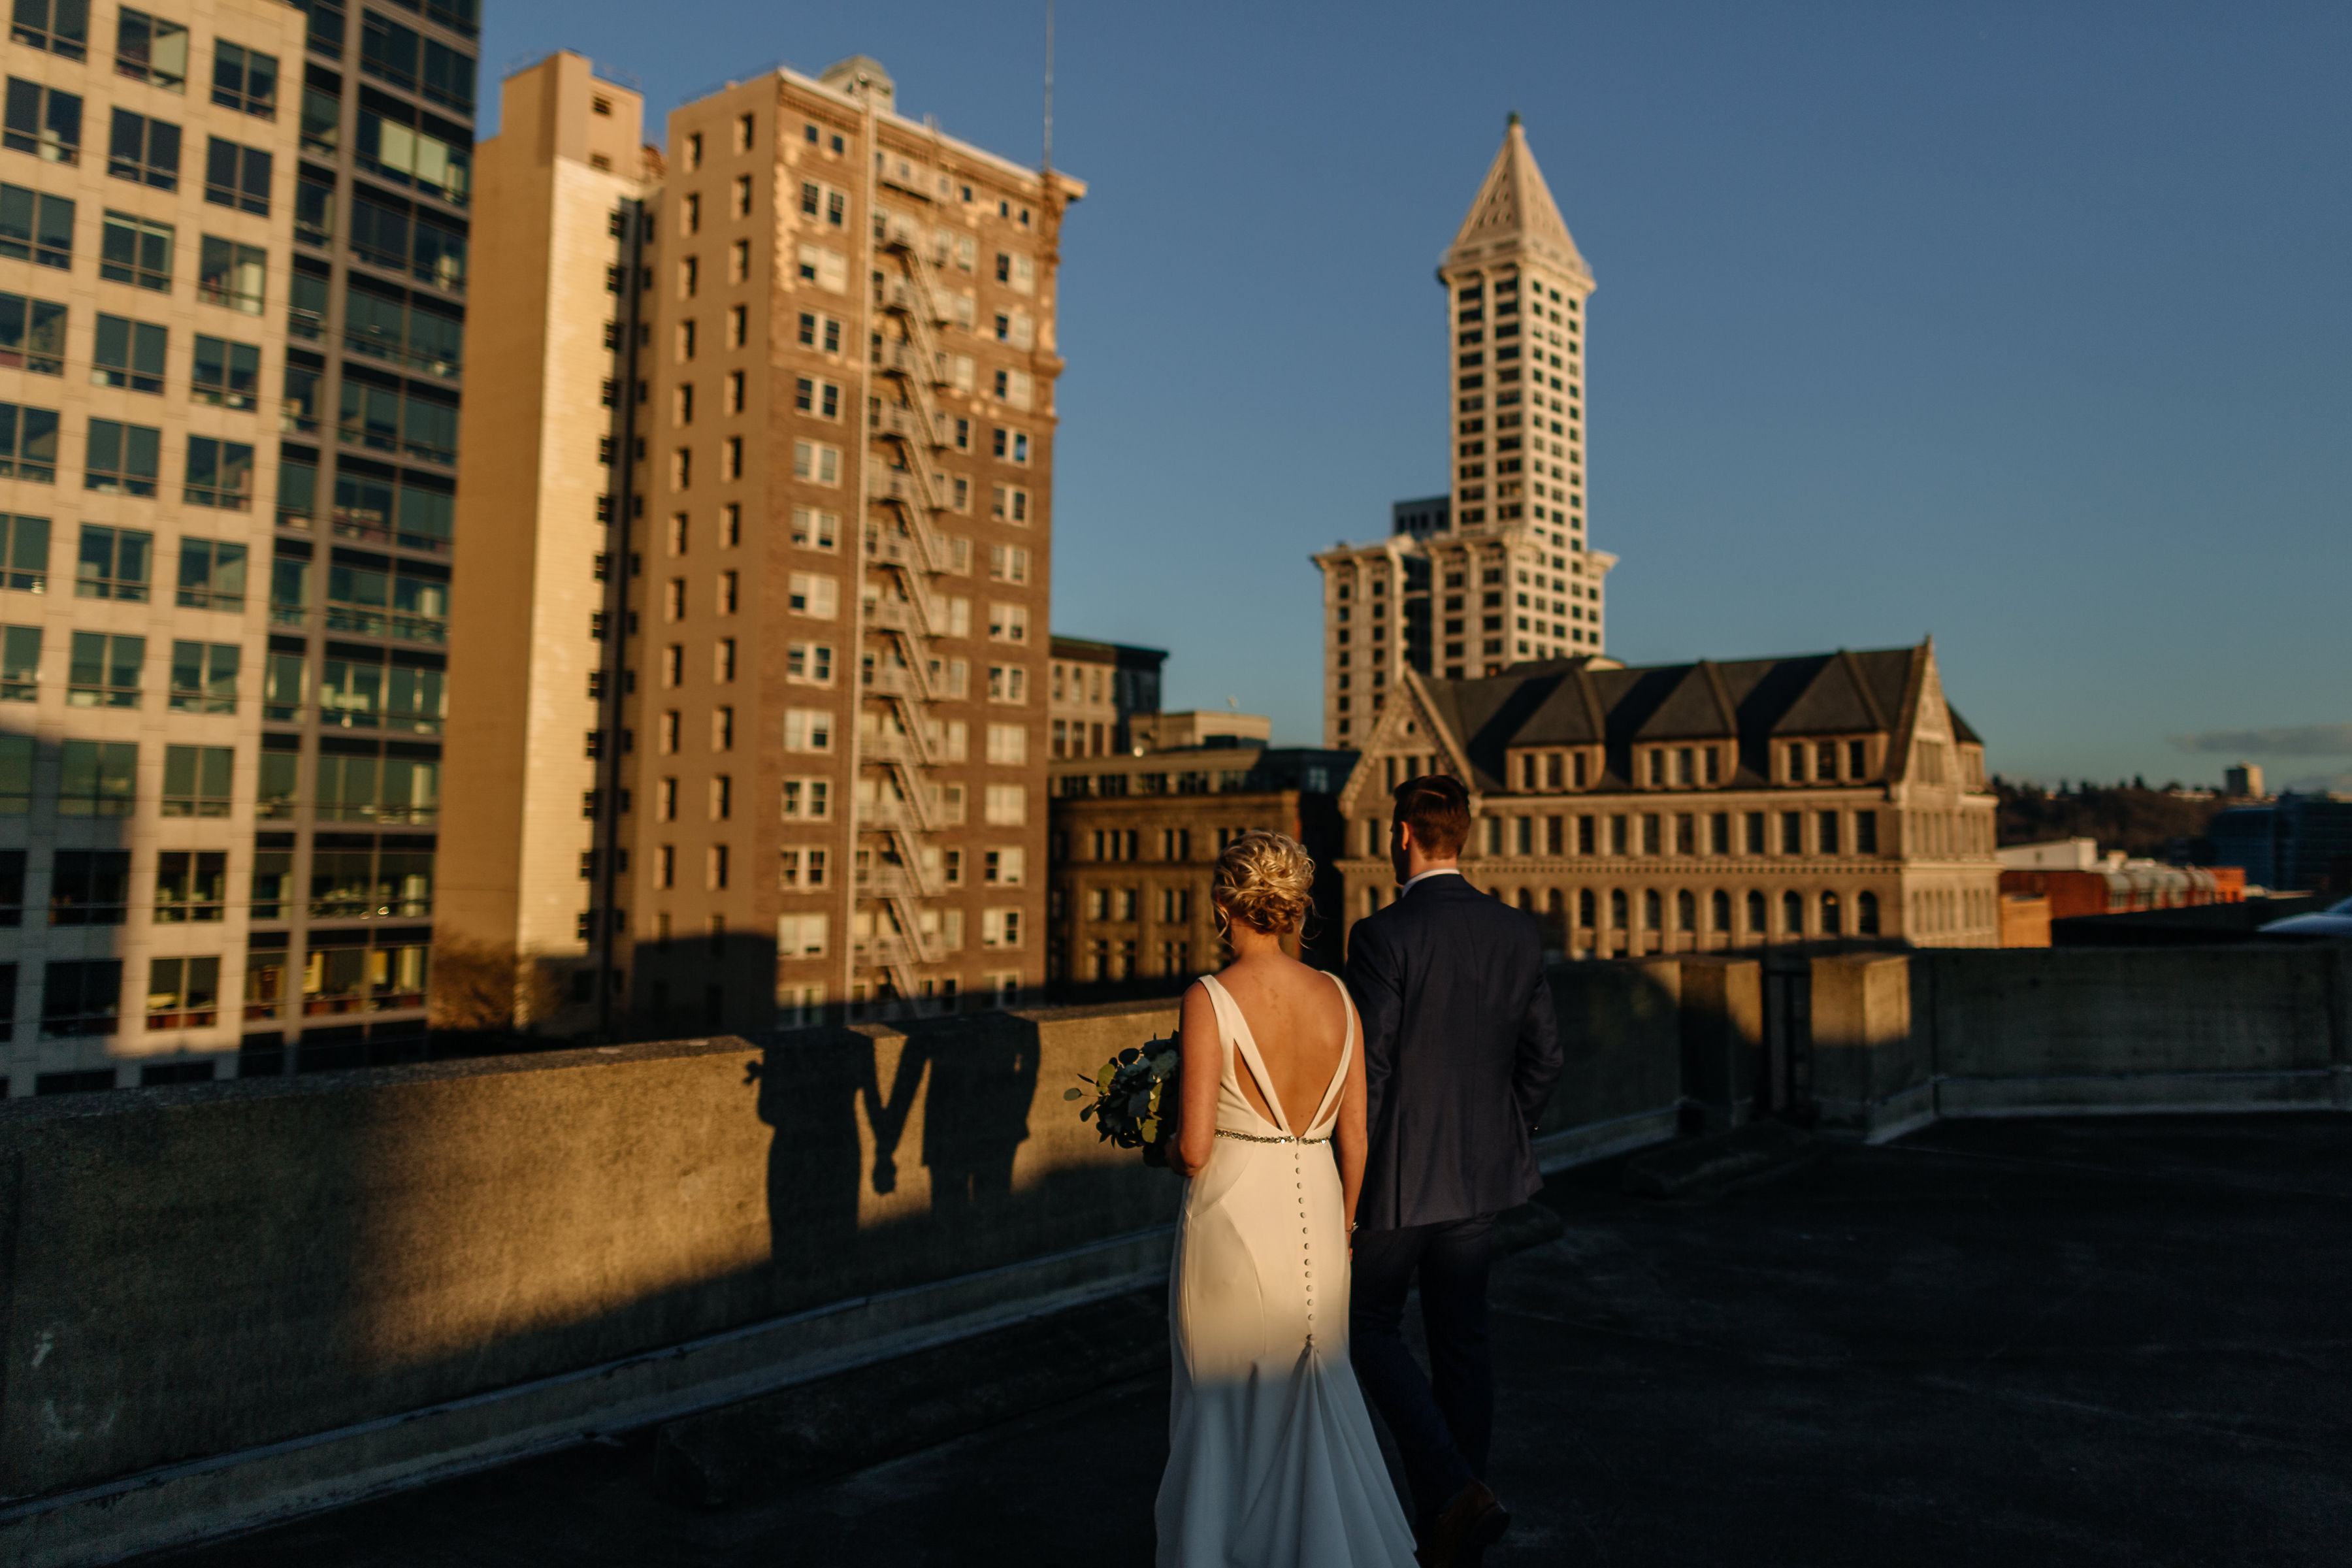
[(1857, 758), (1797, 763), (1685, 766), (1658, 768), (1552, 765), (1579, 769), (1825, 761)]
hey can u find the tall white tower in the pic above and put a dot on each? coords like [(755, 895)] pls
[(1509, 577)]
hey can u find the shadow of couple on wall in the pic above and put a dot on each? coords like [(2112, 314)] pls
[(839, 1155)]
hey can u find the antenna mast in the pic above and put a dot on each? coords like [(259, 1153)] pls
[(1047, 166)]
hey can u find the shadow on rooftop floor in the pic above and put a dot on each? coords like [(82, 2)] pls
[(2084, 1341)]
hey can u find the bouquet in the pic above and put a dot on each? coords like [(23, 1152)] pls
[(1135, 1098)]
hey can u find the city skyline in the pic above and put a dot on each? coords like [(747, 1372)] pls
[(1893, 326)]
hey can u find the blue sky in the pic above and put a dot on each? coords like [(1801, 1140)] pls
[(2020, 325)]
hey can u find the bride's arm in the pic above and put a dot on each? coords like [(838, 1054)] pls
[(1196, 1126), (1351, 1137)]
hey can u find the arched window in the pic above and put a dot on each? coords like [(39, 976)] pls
[(1587, 910), (1528, 898), (1792, 913), (1654, 910), (1833, 916), (1756, 914), (1866, 914), (1687, 911), (1720, 915), (1617, 909)]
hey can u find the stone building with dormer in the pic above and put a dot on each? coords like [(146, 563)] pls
[(1699, 808)]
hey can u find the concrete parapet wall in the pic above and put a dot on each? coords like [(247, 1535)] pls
[(226, 1303), (2136, 1029)]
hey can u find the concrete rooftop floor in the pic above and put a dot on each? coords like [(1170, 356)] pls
[(2087, 1341)]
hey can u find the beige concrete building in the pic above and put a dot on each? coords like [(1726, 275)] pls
[(833, 353), (1096, 689), (228, 411), (1498, 571), (539, 637), (1699, 808)]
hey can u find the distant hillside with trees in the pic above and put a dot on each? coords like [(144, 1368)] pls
[(2132, 818)]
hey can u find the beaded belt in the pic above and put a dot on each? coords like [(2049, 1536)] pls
[(1255, 1137)]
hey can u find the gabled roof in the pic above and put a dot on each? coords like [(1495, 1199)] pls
[(1515, 212), (1570, 702)]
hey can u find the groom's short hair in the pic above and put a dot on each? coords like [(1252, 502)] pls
[(1437, 808)]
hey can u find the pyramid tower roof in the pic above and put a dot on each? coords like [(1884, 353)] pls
[(1514, 214)]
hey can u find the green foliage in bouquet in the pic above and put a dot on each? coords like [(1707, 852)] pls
[(1135, 1097)]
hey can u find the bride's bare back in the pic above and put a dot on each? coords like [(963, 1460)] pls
[(1299, 1020)]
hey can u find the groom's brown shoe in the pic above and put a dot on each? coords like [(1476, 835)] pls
[(1473, 1521)]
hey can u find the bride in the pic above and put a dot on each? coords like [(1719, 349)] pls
[(1272, 1459)]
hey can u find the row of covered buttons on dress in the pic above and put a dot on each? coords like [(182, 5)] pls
[(1305, 1247)]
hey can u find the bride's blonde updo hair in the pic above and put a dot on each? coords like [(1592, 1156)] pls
[(1263, 880)]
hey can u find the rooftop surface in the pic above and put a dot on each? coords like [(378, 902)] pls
[(2081, 1342)]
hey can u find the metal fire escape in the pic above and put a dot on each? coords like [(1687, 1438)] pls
[(899, 676)]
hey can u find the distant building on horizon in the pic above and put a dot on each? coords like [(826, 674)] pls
[(2242, 781), (1497, 570), (2298, 843), (1095, 689)]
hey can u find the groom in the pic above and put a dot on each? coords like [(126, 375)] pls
[(1460, 1055)]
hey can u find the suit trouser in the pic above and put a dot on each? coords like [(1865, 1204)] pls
[(1442, 1422)]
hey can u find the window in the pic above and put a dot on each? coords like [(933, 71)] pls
[(1000, 928), (244, 79), (20, 664), (743, 195), (322, 115), (183, 994), (1857, 758), (191, 886), (1008, 683), (285, 683), (808, 663), (231, 274), (722, 728), (801, 870), (32, 335), (814, 529), (136, 251), (203, 677), (1004, 865), (82, 999), (1008, 623), (1865, 835), (224, 373), (113, 563), (236, 177), (1792, 833), (1008, 563), (1825, 835), (1792, 913), (61, 26), (1866, 913), (412, 149), (42, 120), (128, 354), (1012, 505), (801, 936), (807, 800), (36, 227), (1005, 805), (386, 232), (816, 462), (812, 594), (144, 152), (808, 730), (28, 443), (1008, 744), (1796, 758), (90, 888), (96, 778), (197, 781), (822, 398), (220, 474), (1754, 835)]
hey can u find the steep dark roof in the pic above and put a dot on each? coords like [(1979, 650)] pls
[(1569, 702)]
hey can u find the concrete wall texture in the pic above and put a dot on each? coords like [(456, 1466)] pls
[(227, 1302)]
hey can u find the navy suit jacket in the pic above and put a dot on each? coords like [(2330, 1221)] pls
[(1461, 1052)]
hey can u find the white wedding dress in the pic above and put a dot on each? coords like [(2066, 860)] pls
[(1272, 1462)]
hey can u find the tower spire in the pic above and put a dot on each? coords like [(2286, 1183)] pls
[(1514, 211)]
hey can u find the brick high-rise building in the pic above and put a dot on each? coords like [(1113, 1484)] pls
[(830, 348), (1501, 572), (233, 253)]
